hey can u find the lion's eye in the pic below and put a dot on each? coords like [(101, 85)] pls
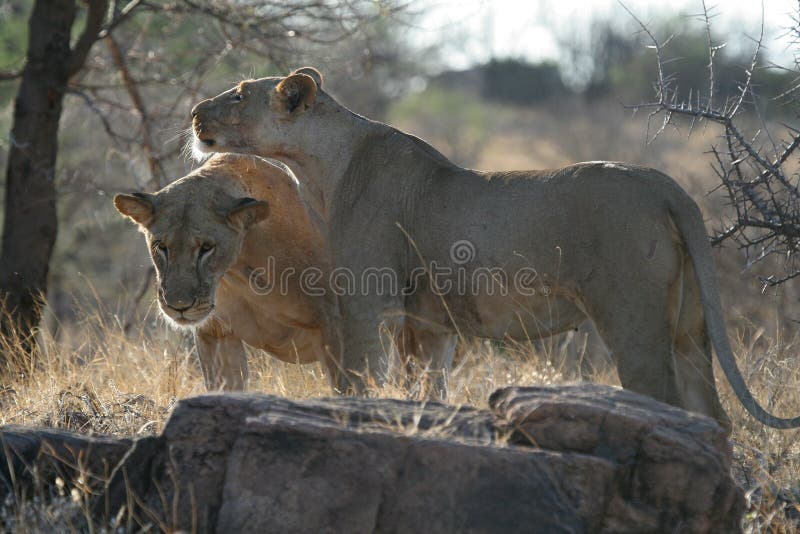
[(238, 97), (206, 248)]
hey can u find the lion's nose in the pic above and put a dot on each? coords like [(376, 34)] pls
[(180, 305), (177, 303), (196, 109)]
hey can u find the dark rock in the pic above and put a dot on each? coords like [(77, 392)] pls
[(673, 467), (205, 436), (577, 459), (551, 459), (35, 457)]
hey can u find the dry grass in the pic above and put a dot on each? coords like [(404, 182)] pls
[(97, 379)]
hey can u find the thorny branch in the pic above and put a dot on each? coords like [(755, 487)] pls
[(761, 183)]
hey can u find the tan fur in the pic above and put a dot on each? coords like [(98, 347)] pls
[(621, 244)]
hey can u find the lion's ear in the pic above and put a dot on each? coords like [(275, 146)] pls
[(311, 71), (247, 212), (295, 94), (139, 207)]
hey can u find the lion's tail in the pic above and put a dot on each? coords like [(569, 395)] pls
[(688, 219)]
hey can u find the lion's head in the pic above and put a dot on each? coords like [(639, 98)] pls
[(266, 111), (194, 230)]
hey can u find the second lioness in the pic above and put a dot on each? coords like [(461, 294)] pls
[(239, 260)]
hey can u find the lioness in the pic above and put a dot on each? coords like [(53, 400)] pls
[(231, 243), (619, 243)]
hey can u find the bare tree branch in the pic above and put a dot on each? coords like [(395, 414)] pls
[(157, 177), (7, 75), (119, 18), (104, 120), (94, 21), (752, 167)]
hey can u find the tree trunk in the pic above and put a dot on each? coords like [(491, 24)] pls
[(30, 223)]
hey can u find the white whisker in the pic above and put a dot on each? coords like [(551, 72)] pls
[(181, 134), (198, 151)]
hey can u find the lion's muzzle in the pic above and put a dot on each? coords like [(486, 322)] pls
[(192, 315), (200, 121), (183, 308), (201, 132), (199, 107)]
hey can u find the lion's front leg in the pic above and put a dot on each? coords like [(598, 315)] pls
[(365, 366), (367, 356), (434, 352), (223, 361), (367, 281)]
